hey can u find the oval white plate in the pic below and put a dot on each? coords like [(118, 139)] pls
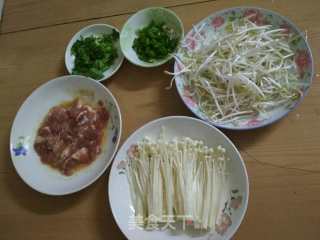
[(96, 30), (179, 126), (24, 129)]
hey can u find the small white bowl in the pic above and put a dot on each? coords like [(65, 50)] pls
[(95, 29), (26, 161), (142, 19), (233, 207)]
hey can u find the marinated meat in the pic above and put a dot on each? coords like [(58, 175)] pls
[(71, 135)]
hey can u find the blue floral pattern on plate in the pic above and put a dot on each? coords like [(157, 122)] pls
[(21, 148), (114, 122)]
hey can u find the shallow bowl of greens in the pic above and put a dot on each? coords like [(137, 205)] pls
[(243, 68), (94, 52), (151, 36)]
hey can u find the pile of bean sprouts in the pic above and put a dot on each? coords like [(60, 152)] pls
[(243, 70)]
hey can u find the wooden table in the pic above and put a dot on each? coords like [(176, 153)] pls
[(283, 160)]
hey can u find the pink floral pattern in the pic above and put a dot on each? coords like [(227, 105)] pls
[(253, 122), (179, 67), (302, 59), (286, 28), (188, 97), (190, 40), (230, 206), (133, 152), (191, 43), (236, 202), (255, 16), (224, 224), (217, 21)]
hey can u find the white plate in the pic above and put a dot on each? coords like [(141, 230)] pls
[(96, 30), (178, 126), (216, 23), (27, 162)]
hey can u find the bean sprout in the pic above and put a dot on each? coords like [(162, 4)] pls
[(244, 70)]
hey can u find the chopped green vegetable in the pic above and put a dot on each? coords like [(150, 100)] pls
[(154, 42), (94, 54)]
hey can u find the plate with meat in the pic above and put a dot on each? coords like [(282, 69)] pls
[(65, 135)]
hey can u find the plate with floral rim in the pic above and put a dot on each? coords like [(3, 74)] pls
[(233, 205), (218, 23)]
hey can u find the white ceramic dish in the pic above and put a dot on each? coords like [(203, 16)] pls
[(24, 129), (177, 126), (140, 20), (216, 23), (95, 29)]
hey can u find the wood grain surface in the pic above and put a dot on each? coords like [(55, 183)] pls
[(28, 14), (283, 160)]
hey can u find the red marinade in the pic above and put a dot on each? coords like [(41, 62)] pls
[(71, 135)]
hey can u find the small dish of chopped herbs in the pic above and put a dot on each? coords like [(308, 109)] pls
[(151, 36), (155, 42), (94, 52)]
